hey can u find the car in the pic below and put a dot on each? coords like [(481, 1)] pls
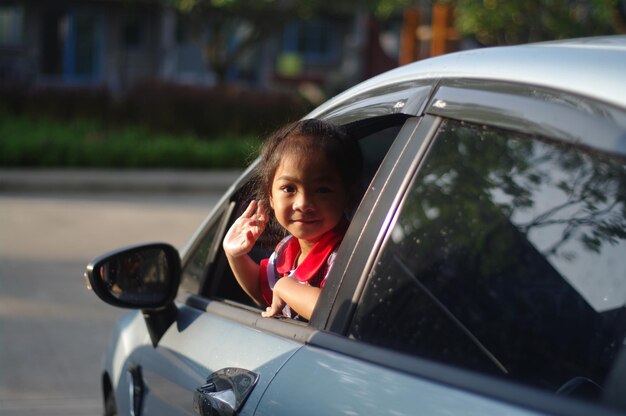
[(483, 272)]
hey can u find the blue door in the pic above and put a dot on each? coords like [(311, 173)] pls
[(84, 46), (73, 44)]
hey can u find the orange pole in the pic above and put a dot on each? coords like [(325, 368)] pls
[(408, 36), (441, 14)]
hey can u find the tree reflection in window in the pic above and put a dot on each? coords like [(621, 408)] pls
[(509, 250)]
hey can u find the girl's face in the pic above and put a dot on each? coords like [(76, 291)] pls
[(308, 196)]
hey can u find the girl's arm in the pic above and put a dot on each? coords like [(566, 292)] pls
[(238, 242), (301, 298)]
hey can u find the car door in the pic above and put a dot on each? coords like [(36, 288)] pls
[(485, 276), (217, 326)]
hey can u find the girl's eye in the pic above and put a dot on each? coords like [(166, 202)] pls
[(324, 190), (288, 189)]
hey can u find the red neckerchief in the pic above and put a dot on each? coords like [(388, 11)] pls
[(317, 256)]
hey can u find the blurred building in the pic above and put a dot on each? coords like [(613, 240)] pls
[(115, 43)]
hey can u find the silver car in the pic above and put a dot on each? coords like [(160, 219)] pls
[(483, 273)]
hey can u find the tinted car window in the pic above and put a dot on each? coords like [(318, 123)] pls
[(194, 272), (507, 257)]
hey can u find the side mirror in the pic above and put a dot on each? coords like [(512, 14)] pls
[(144, 276)]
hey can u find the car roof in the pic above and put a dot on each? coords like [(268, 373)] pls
[(592, 67)]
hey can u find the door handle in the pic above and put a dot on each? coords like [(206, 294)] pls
[(224, 392), (136, 389)]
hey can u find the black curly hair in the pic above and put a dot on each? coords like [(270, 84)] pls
[(303, 138)]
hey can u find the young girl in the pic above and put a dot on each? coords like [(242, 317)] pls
[(308, 179)]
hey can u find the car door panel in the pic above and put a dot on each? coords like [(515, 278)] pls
[(317, 381), (197, 345)]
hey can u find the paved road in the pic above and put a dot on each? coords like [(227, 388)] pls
[(53, 331)]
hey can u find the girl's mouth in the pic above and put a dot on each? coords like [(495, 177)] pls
[(305, 221)]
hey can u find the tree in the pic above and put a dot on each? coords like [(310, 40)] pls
[(227, 29), (506, 22), (502, 22), (233, 28)]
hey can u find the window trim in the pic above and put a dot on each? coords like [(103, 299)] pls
[(532, 110), (249, 316), (370, 224), (408, 98), (328, 298)]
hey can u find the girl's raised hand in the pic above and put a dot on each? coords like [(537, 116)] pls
[(246, 229)]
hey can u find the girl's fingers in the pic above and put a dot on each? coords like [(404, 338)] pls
[(248, 212), (247, 228), (260, 208), (261, 212), (269, 312)]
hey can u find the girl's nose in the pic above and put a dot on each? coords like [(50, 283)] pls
[(303, 202)]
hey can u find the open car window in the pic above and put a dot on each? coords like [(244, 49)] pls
[(375, 137)]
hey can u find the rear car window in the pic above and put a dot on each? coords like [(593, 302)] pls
[(507, 257)]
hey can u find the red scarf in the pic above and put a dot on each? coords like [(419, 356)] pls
[(317, 256), (288, 251)]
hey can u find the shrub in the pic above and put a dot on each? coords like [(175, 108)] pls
[(85, 143)]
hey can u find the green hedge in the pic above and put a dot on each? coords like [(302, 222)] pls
[(28, 142), (151, 125)]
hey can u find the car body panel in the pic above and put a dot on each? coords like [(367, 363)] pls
[(188, 353), (482, 391), (333, 384)]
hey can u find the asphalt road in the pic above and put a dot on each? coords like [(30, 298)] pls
[(53, 331)]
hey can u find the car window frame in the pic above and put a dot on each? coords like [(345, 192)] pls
[(219, 215), (340, 291), (454, 99), (374, 216), (226, 210), (408, 97)]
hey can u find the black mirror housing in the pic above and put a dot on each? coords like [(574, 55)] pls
[(144, 276)]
